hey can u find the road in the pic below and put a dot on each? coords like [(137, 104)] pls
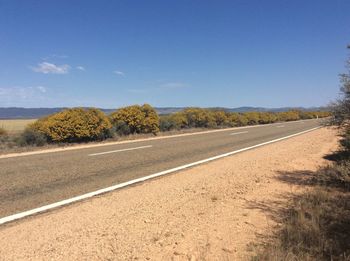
[(32, 181)]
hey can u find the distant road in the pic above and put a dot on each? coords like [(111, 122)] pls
[(32, 181)]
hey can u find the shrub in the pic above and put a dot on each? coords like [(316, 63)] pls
[(252, 117), (3, 132), (288, 116), (237, 119), (337, 175), (136, 119), (31, 137), (220, 118), (73, 125), (179, 119), (199, 118), (167, 123)]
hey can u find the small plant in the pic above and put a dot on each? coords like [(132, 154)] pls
[(3, 132), (32, 137)]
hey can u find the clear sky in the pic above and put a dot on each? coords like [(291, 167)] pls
[(172, 53)]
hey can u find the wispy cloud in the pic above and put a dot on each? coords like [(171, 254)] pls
[(48, 68), (10, 96), (41, 89), (81, 68), (120, 73), (161, 87), (173, 85), (52, 56), (137, 90)]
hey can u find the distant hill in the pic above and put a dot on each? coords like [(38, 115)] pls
[(34, 113)]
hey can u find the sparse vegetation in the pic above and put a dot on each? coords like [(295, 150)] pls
[(316, 226), (31, 137)]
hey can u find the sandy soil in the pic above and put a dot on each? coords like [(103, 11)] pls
[(210, 212)]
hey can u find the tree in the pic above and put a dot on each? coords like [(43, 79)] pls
[(341, 109)]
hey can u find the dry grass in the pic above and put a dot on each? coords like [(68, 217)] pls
[(316, 224), (15, 125)]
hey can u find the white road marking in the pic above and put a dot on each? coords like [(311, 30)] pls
[(114, 151), (280, 126), (135, 181), (236, 133)]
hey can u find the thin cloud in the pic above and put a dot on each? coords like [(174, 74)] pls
[(20, 94), (173, 85), (52, 56), (41, 89), (138, 90), (120, 73), (50, 68), (81, 68)]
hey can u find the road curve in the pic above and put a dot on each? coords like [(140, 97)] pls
[(32, 181)]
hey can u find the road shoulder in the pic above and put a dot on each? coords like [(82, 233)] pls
[(212, 211)]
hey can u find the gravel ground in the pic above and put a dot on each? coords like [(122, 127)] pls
[(209, 212)]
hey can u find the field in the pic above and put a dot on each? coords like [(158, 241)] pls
[(15, 125)]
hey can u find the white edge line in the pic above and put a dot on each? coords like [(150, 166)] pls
[(236, 133), (115, 151), (88, 146), (135, 181)]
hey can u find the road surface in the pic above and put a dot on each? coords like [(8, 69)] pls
[(32, 181)]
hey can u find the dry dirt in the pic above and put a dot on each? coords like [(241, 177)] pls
[(210, 212)]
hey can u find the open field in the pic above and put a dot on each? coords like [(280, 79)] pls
[(15, 125), (209, 212)]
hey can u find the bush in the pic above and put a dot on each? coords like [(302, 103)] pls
[(74, 125), (199, 118), (167, 123), (3, 132), (31, 137), (180, 120), (220, 118), (136, 119), (336, 175), (288, 116), (252, 117), (237, 119)]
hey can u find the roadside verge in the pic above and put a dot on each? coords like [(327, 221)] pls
[(203, 212)]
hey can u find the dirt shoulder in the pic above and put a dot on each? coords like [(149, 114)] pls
[(209, 212)]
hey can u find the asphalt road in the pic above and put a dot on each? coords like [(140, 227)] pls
[(32, 181)]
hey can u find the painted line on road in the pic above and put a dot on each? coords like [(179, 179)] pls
[(241, 132), (115, 151), (135, 181)]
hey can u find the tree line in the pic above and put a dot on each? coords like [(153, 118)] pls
[(81, 124)]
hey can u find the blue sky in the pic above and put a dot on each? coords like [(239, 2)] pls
[(172, 53)]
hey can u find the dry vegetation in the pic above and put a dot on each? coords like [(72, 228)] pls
[(316, 225), (78, 125), (15, 126)]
